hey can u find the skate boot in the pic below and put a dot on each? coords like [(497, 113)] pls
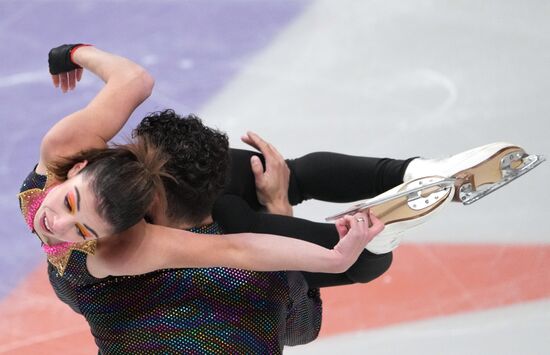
[(403, 207), (479, 171)]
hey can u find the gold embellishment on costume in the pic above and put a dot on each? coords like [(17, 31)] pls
[(61, 259), (30, 200)]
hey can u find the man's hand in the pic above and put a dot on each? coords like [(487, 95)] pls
[(271, 184)]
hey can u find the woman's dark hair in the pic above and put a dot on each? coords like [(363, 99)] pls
[(126, 180), (198, 161)]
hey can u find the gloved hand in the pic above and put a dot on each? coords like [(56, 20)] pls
[(60, 58)]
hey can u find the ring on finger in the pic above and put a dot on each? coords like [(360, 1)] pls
[(360, 219)]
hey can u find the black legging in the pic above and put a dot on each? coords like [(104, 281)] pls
[(323, 176)]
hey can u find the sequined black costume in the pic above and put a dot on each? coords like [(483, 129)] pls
[(192, 311), (221, 310)]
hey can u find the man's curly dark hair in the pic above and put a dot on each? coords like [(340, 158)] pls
[(198, 160)]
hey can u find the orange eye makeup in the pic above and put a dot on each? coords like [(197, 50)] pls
[(82, 231), (70, 203)]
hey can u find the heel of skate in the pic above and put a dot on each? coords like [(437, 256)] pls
[(495, 172)]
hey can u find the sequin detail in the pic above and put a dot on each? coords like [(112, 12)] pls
[(191, 311)]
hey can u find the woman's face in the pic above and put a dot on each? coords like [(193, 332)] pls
[(68, 214)]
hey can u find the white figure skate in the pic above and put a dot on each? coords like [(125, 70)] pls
[(479, 171), (403, 207), (465, 177)]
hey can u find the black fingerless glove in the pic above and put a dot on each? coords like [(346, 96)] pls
[(60, 58)]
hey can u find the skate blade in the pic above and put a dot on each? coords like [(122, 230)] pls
[(414, 199), (512, 166)]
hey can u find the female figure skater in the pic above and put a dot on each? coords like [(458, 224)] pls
[(149, 253), (89, 217)]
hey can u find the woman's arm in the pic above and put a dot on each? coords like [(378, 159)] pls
[(127, 85), (147, 247)]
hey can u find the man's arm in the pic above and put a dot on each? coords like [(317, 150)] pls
[(273, 181)]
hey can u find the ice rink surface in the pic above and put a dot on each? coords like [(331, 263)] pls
[(378, 78)]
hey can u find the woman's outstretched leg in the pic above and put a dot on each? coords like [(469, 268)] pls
[(337, 177), (322, 176)]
